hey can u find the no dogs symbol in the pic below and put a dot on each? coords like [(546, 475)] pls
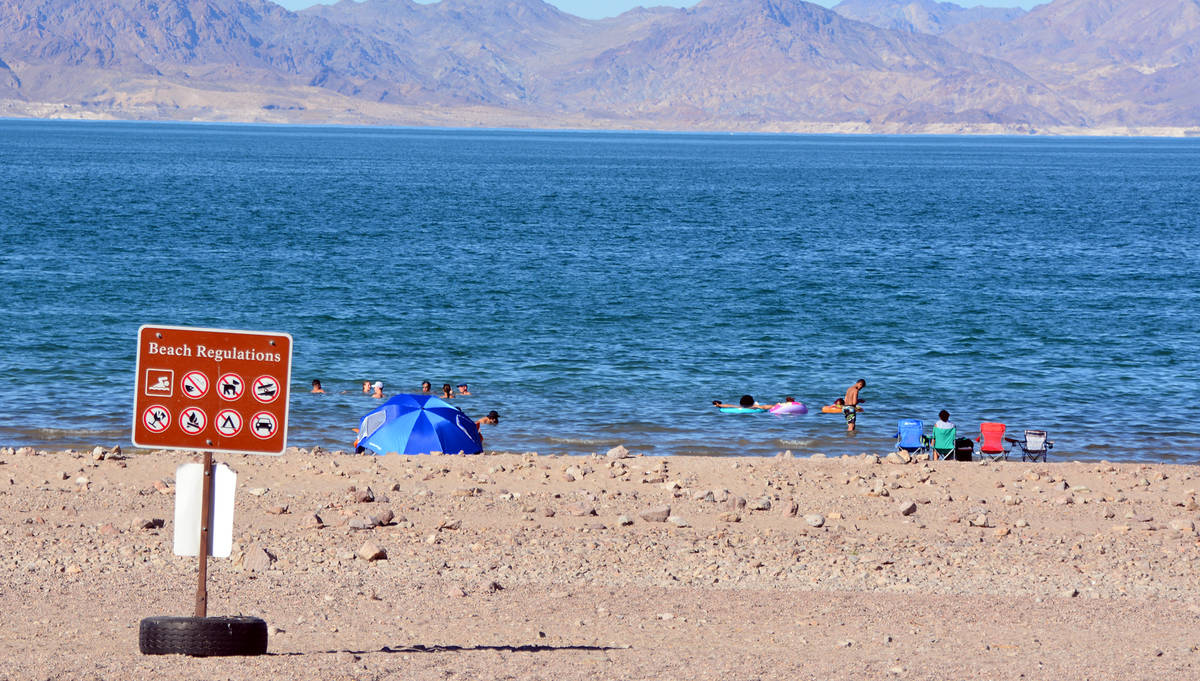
[(263, 425), (228, 422), (156, 418), (192, 420), (230, 386)]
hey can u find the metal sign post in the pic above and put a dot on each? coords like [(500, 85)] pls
[(205, 520), (209, 390)]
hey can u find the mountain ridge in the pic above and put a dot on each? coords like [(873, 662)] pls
[(769, 65)]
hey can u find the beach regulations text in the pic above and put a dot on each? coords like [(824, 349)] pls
[(218, 390)]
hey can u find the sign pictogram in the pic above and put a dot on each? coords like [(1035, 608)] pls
[(160, 383), (228, 422), (263, 425), (156, 418), (266, 389), (192, 420), (230, 386), (194, 384), (194, 388)]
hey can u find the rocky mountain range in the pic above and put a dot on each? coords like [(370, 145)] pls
[(922, 16), (1100, 66)]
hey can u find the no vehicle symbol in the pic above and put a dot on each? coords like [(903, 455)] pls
[(230, 386), (195, 384), (156, 418), (263, 425), (228, 422), (266, 389), (192, 420)]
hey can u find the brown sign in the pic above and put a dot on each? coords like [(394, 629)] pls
[(212, 390)]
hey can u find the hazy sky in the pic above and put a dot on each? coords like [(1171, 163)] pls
[(596, 9)]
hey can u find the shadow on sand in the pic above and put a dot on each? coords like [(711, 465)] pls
[(532, 648)]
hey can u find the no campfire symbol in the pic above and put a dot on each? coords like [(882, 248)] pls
[(192, 420)]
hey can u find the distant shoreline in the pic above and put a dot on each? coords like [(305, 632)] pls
[(510, 121)]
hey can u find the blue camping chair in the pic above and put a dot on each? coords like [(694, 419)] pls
[(910, 436)]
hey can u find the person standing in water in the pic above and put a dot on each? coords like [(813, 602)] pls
[(316, 387), (850, 405), (447, 393)]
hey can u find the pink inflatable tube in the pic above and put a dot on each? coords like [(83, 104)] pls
[(789, 408)]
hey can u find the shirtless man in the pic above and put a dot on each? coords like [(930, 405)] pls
[(850, 406)]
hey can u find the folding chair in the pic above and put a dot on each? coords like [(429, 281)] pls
[(910, 436), (943, 443), (1034, 446), (991, 441)]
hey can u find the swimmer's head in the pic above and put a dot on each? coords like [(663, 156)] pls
[(746, 401), (789, 398)]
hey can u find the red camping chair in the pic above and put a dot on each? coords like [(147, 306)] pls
[(991, 439)]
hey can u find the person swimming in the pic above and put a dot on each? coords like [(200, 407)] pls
[(447, 393), (316, 387), (378, 392), (463, 390), (746, 402)]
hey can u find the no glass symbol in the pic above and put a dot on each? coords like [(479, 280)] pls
[(156, 419)]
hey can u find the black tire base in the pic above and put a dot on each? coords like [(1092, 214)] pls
[(202, 636)]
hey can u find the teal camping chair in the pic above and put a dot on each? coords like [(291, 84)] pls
[(943, 442)]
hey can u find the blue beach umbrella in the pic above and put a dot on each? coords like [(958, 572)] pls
[(418, 424)]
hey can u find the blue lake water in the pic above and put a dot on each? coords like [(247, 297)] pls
[(603, 288)]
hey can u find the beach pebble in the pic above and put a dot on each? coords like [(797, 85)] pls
[(277, 510), (1183, 525), (371, 552), (581, 508), (624, 520), (899, 457), (735, 503), (313, 520), (793, 508), (146, 524), (257, 491), (657, 514), (677, 521), (98, 454), (980, 520), (1022, 523), (257, 559), (907, 508), (383, 518), (364, 496), (361, 524), (814, 519), (618, 452), (729, 517), (760, 504), (704, 495)]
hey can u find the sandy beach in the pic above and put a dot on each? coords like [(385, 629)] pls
[(519, 566)]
